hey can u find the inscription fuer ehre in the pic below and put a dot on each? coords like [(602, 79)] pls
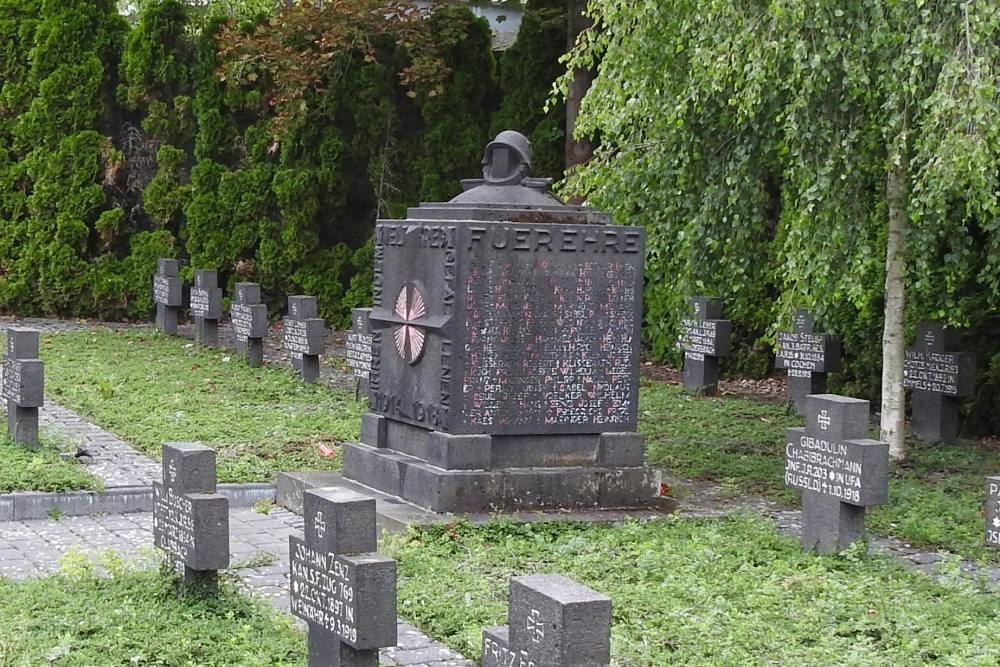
[(190, 519), (342, 588), (552, 622)]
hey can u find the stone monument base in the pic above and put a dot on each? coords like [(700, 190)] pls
[(483, 473)]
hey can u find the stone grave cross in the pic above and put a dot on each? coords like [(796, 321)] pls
[(704, 338), (206, 306), (808, 355), (304, 336), (839, 470), (553, 622), (249, 318), (23, 377), (344, 591), (191, 520), (168, 295), (359, 348), (938, 378), (993, 512)]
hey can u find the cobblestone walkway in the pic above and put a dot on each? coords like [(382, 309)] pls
[(259, 546)]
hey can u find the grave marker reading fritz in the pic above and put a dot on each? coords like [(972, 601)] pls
[(206, 307), (304, 336), (168, 294), (938, 377), (191, 520), (23, 378), (343, 589), (249, 318), (704, 338), (838, 469), (808, 356), (505, 351)]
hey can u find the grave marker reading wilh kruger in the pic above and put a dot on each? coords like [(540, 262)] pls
[(704, 338), (339, 586), (191, 520), (938, 377), (23, 377), (808, 355), (168, 294), (304, 336), (206, 306), (249, 318), (553, 622), (993, 511), (839, 470)]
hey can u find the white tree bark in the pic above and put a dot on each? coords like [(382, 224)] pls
[(893, 343)]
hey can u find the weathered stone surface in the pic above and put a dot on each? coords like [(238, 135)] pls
[(206, 307), (249, 317), (808, 355), (937, 377), (359, 347), (304, 336), (705, 337), (22, 390), (168, 295)]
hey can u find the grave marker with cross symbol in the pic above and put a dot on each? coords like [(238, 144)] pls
[(808, 355), (190, 519), (206, 307), (249, 318), (938, 378), (23, 378), (359, 348), (704, 338), (304, 336), (553, 622), (168, 294), (339, 585), (839, 470), (993, 512)]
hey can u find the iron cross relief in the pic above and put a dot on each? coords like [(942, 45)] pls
[(409, 321)]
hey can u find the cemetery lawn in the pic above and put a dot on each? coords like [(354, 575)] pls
[(81, 617), (23, 469), (935, 497), (148, 389), (700, 592)]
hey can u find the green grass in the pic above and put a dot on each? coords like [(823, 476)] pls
[(935, 497), (695, 592), (148, 389), (119, 616), (23, 469)]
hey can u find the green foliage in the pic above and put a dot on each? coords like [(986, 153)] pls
[(259, 421), (102, 611), (690, 592), (23, 469), (753, 141)]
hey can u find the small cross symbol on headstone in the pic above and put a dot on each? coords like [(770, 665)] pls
[(206, 307), (22, 388), (249, 318), (938, 377), (340, 586), (704, 338), (190, 519), (359, 348), (993, 512), (168, 294), (304, 336), (808, 356), (838, 469)]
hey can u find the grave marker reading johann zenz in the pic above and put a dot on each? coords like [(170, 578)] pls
[(839, 470), (304, 336), (23, 378), (206, 307), (191, 520), (808, 355), (704, 338), (168, 294), (938, 377), (340, 586), (249, 318)]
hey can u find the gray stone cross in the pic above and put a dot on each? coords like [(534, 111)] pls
[(808, 356), (23, 378), (993, 512), (249, 318), (938, 378), (191, 520), (206, 307), (552, 622), (839, 470), (704, 338), (304, 336), (342, 588), (168, 294), (359, 348)]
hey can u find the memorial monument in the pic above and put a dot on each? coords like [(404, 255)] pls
[(23, 378), (808, 355), (304, 336), (168, 294), (359, 348), (206, 307), (704, 338), (938, 377), (249, 318), (505, 351)]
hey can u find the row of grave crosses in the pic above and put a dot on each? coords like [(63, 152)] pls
[(304, 330), (936, 374)]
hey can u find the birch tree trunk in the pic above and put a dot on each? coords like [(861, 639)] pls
[(893, 342)]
